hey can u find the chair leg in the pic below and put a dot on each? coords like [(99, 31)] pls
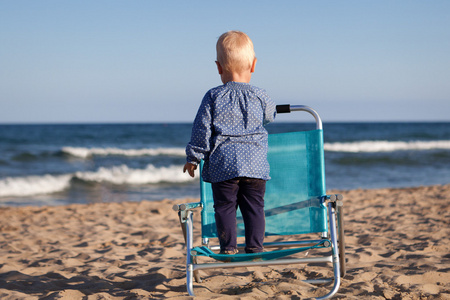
[(189, 262), (189, 280), (341, 237), (336, 269), (196, 274)]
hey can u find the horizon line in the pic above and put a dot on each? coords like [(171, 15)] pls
[(190, 122)]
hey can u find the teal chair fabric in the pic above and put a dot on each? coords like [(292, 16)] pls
[(294, 194)]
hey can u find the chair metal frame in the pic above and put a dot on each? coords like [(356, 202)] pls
[(336, 232)]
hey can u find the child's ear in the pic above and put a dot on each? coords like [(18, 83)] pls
[(219, 67), (253, 65)]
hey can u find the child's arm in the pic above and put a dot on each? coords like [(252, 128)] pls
[(270, 110), (199, 146)]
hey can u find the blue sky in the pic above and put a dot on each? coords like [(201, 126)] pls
[(152, 61)]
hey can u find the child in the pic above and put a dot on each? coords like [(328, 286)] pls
[(229, 135)]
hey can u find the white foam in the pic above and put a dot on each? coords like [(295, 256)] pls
[(33, 185), (47, 184), (386, 146), (124, 175), (88, 152)]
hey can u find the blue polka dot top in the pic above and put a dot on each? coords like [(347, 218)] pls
[(229, 135)]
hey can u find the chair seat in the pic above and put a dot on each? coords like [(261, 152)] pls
[(242, 257)]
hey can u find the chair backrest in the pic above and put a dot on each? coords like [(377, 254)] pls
[(293, 199)]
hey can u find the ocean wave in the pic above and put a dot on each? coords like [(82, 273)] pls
[(124, 175), (386, 146), (33, 185), (47, 184), (88, 152)]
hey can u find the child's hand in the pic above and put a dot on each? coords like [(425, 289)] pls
[(190, 168)]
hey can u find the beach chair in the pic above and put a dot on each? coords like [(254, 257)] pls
[(299, 214)]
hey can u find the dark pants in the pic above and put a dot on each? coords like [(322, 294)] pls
[(248, 194)]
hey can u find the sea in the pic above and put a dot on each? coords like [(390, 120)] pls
[(59, 164)]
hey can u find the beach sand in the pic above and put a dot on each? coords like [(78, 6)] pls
[(397, 248)]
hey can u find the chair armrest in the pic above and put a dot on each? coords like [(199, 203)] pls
[(336, 199), (186, 206)]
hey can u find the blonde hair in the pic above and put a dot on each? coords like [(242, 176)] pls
[(235, 51)]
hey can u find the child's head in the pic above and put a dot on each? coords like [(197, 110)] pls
[(235, 51)]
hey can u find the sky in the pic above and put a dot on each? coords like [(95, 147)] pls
[(152, 61)]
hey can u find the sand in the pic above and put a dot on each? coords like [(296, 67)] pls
[(397, 248)]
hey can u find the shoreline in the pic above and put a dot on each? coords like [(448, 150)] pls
[(397, 248)]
